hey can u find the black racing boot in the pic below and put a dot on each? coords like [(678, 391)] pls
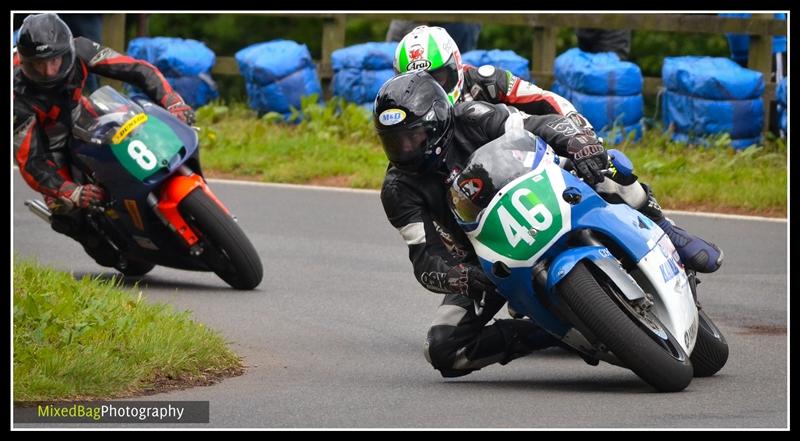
[(523, 337), (94, 245), (696, 253), (591, 361)]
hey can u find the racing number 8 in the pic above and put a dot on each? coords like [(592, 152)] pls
[(142, 155)]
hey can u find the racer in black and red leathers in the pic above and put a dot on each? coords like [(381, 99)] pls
[(50, 71)]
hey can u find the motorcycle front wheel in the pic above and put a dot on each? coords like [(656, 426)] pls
[(227, 250), (649, 350), (710, 352)]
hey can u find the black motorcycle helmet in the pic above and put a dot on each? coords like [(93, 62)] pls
[(45, 37), (414, 120)]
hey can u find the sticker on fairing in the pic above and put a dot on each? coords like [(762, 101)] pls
[(148, 150), (128, 127), (525, 221), (671, 266), (391, 117)]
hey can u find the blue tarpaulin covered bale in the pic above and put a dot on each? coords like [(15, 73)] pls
[(185, 63), (174, 57), (359, 71), (606, 90), (711, 95), (504, 59), (277, 75), (780, 95)]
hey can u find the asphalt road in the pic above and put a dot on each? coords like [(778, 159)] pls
[(333, 336)]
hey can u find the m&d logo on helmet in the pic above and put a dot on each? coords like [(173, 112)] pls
[(391, 117)]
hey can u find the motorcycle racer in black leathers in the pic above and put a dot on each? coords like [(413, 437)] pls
[(50, 71), (428, 142)]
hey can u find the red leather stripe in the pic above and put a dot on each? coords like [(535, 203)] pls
[(514, 99), (22, 160)]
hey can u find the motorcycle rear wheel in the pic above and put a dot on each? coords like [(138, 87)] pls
[(227, 250), (710, 352), (660, 362)]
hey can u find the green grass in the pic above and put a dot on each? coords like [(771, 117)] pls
[(326, 147), (335, 145), (713, 177), (94, 338)]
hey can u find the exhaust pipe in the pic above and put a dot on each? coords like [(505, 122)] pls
[(38, 208)]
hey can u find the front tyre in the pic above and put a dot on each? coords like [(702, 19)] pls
[(710, 352), (661, 362), (227, 251)]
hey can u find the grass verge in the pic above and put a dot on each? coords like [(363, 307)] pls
[(335, 144), (96, 339)]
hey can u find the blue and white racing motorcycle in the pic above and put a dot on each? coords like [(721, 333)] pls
[(601, 277)]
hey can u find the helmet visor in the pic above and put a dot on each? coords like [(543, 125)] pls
[(47, 71), (406, 147), (447, 75)]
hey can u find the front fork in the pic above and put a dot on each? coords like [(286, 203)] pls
[(174, 190)]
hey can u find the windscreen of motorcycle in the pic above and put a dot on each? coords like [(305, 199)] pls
[(141, 143), (506, 199), (489, 169)]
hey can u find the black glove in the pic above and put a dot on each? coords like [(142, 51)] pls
[(469, 280), (176, 106), (589, 158)]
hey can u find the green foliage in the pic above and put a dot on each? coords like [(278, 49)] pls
[(360, 30), (335, 144), (96, 338), (648, 49), (337, 118), (225, 34), (713, 176)]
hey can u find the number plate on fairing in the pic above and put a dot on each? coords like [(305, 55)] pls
[(147, 148), (525, 220)]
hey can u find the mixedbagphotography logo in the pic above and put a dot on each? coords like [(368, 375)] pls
[(112, 412)]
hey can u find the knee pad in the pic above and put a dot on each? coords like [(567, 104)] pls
[(439, 352)]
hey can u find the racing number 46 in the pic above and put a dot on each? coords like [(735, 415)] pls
[(538, 217)]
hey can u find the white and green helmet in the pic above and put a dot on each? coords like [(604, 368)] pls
[(431, 48)]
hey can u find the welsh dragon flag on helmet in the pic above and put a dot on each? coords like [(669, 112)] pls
[(431, 48)]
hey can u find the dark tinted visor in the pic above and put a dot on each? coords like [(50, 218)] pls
[(406, 147), (447, 75)]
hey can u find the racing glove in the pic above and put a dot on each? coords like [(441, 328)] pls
[(589, 157), (469, 280), (176, 106), (73, 195)]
